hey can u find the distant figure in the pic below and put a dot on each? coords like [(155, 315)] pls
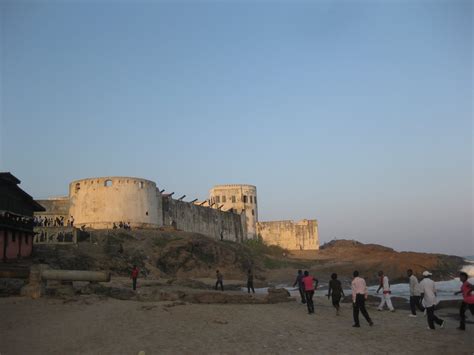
[(385, 285), (415, 298), (114, 226), (72, 221), (467, 299), (222, 236), (359, 295), (219, 280), (299, 282), (250, 281), (335, 290), (120, 224), (428, 292), (309, 287), (134, 276)]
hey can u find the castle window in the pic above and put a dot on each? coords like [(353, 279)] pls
[(245, 198), (218, 199), (141, 184), (108, 183), (233, 199), (223, 199), (251, 199), (255, 199), (78, 187), (253, 213)]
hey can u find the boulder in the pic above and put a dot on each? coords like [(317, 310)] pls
[(276, 295)]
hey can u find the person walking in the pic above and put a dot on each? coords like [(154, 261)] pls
[(359, 295), (299, 282), (385, 286), (250, 281), (309, 287), (428, 293), (415, 298), (134, 277), (219, 280), (335, 290), (467, 299)]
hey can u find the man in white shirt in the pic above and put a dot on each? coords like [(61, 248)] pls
[(428, 293), (359, 295), (415, 298), (385, 285)]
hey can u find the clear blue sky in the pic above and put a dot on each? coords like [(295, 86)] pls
[(357, 113)]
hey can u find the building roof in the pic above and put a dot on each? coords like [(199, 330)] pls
[(10, 182)]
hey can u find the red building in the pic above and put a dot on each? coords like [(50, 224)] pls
[(16, 219)]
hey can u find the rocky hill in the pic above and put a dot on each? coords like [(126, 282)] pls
[(176, 254)]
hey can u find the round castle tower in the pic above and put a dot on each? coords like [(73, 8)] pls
[(239, 198), (100, 202)]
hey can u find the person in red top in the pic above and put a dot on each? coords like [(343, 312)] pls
[(134, 276), (467, 299), (309, 287)]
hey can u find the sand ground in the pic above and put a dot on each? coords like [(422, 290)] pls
[(93, 325)]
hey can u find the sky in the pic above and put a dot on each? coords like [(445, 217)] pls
[(354, 113)]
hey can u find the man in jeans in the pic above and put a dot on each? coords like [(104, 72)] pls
[(219, 280), (309, 287), (359, 295), (428, 292), (415, 298)]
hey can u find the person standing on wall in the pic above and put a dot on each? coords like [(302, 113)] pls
[(250, 281), (219, 280), (134, 276), (309, 287), (467, 299), (359, 295), (299, 282), (385, 285), (335, 290), (428, 293), (415, 298)]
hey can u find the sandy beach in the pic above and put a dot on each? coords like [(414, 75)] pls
[(95, 325)]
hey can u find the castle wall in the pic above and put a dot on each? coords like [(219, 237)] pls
[(189, 217), (301, 235), (239, 198), (54, 207), (99, 202)]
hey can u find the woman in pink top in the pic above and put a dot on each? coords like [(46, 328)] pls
[(309, 286), (467, 299)]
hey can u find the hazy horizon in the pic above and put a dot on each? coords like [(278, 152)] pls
[(357, 114)]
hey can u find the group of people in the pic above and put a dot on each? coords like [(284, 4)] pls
[(422, 296), (122, 225), (53, 222)]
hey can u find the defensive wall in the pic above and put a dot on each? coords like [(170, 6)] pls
[(230, 213), (301, 235), (214, 223)]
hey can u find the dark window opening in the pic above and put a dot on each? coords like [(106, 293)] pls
[(245, 198), (146, 213), (141, 184), (233, 199), (251, 199), (218, 199), (78, 187), (108, 183), (255, 199), (253, 213), (223, 199)]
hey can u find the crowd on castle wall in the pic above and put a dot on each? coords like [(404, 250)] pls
[(53, 222)]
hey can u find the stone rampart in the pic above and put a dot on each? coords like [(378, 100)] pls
[(301, 235)]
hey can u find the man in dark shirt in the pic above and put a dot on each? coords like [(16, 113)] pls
[(219, 280), (250, 281), (335, 290), (299, 281)]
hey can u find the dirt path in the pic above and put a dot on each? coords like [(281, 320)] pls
[(107, 326)]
